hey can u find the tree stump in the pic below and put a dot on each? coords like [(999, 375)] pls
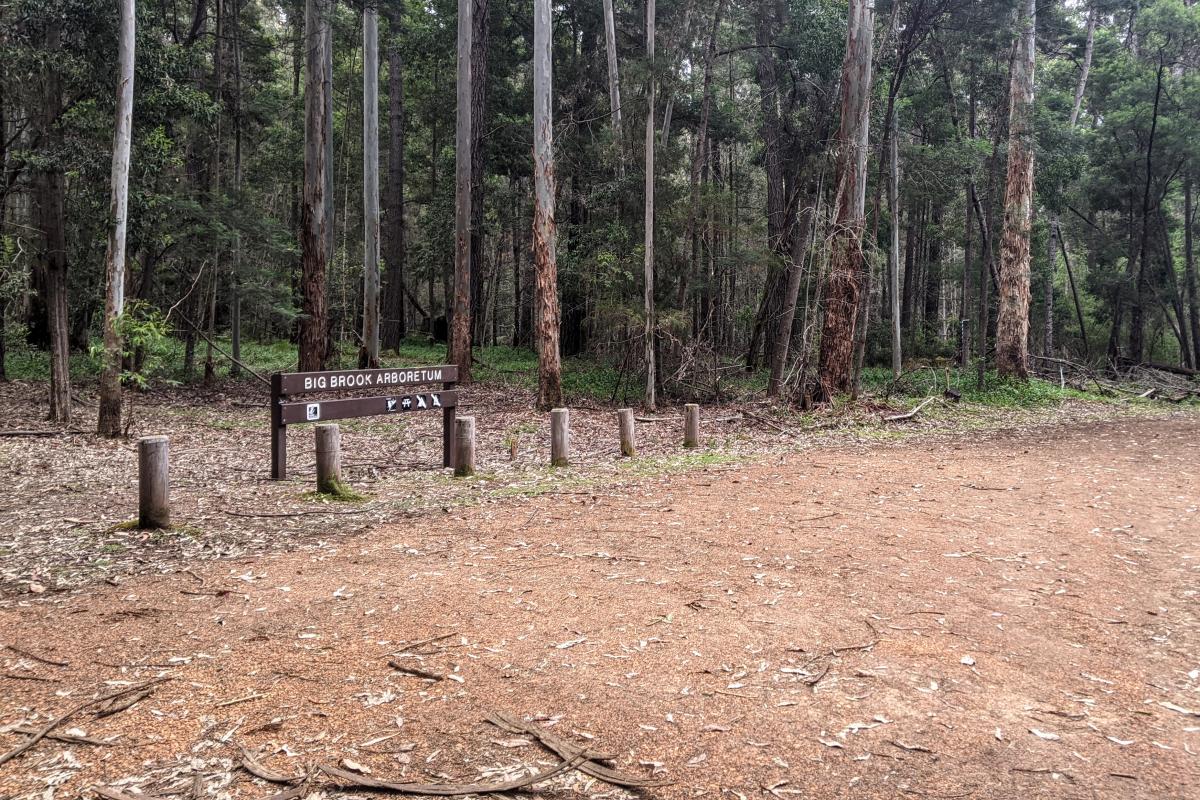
[(625, 428), (560, 438), (154, 503)]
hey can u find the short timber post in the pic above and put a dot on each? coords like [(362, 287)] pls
[(329, 458), (154, 502), (449, 431), (464, 447), (625, 428), (278, 430), (560, 438), (691, 425)]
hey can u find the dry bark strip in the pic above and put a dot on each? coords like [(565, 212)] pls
[(569, 750), (49, 727), (113, 794), (28, 730)]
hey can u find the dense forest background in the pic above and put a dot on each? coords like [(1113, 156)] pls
[(749, 105)]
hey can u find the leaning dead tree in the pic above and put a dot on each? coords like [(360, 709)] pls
[(1012, 321), (114, 306), (544, 234), (843, 284)]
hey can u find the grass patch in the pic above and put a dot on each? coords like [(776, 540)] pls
[(336, 491), (997, 392)]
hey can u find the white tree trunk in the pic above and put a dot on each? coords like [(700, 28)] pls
[(614, 83), (370, 333), (650, 400), (544, 234), (114, 305)]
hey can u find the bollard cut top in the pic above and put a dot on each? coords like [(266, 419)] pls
[(153, 439)]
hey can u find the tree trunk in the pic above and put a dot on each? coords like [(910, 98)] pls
[(479, 61), (50, 199), (114, 305), (395, 322), (235, 282), (1012, 321), (650, 400), (315, 225), (1144, 291), (791, 297), (842, 287), (369, 357), (614, 85), (1190, 282), (459, 350), (1086, 68), (544, 235), (894, 249)]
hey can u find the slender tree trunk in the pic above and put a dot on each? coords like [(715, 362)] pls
[(1012, 321), (791, 297), (842, 287), (210, 369), (459, 351), (235, 282), (480, 28), (894, 250), (1086, 68), (114, 305), (369, 356), (315, 225), (544, 235), (395, 322), (1190, 282), (650, 400), (1143, 292), (49, 197), (1048, 289), (614, 85)]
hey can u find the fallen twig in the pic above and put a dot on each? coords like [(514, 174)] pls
[(567, 749), (244, 699), (910, 414), (36, 657), (44, 731), (116, 706), (415, 672), (29, 730)]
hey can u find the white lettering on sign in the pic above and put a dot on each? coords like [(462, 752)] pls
[(355, 380)]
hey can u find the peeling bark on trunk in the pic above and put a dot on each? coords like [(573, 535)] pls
[(315, 225), (1012, 320), (650, 399), (459, 350), (109, 423), (479, 64), (369, 356), (395, 321), (1190, 282), (842, 286), (614, 85), (50, 200), (544, 235)]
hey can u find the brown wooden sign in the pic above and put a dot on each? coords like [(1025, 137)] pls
[(399, 399)]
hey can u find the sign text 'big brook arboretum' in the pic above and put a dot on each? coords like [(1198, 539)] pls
[(399, 397)]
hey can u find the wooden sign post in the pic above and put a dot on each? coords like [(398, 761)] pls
[(397, 400)]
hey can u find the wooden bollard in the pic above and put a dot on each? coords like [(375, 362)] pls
[(560, 438), (625, 427), (154, 483), (329, 458), (691, 425), (464, 447)]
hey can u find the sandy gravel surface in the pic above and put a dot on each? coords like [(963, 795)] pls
[(1002, 616)]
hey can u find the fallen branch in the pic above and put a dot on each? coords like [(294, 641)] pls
[(343, 779), (7, 434), (566, 749), (910, 414), (36, 657), (270, 514), (49, 727), (116, 706), (29, 730), (415, 671), (766, 422)]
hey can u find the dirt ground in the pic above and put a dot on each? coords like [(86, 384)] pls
[(985, 616)]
